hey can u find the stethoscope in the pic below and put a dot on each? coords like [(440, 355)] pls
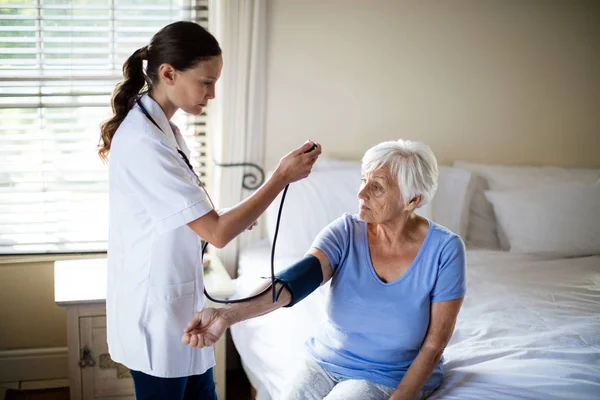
[(276, 294)]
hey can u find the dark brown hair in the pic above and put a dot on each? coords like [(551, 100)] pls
[(182, 44)]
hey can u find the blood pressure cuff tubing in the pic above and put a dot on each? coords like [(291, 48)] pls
[(302, 278)]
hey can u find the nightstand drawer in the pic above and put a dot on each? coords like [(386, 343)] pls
[(105, 379)]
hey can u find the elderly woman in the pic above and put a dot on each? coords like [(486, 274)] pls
[(397, 285)]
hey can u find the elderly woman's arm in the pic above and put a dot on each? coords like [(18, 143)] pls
[(208, 325), (441, 327)]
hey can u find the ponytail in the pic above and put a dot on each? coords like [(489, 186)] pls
[(123, 99), (181, 44)]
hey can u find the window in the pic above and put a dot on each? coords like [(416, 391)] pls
[(59, 62)]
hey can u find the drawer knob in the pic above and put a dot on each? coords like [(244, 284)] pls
[(86, 359)]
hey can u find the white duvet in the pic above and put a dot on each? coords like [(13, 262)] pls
[(529, 329)]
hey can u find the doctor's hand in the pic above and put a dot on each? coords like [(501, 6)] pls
[(205, 328), (297, 164)]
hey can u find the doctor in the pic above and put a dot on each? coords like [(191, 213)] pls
[(159, 212)]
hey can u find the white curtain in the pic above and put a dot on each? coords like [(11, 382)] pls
[(237, 115)]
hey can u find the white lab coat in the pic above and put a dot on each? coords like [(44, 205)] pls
[(155, 275)]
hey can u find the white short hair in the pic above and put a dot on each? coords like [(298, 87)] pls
[(412, 163)]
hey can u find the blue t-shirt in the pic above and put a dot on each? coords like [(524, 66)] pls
[(374, 329)]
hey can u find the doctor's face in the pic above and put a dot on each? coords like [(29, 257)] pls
[(195, 86)]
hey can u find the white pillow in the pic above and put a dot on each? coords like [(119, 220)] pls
[(483, 231), (559, 220), (450, 205), (310, 205)]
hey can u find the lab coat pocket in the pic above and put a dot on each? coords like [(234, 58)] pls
[(174, 291), (170, 307)]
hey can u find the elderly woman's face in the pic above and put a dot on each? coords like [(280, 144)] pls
[(379, 197)]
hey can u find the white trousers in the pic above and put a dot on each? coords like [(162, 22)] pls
[(312, 382)]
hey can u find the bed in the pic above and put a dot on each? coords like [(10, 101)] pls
[(530, 324)]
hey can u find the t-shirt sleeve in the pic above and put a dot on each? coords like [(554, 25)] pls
[(451, 280), (334, 239), (167, 190)]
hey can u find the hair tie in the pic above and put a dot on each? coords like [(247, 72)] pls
[(144, 52)]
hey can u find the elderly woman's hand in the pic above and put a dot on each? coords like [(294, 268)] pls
[(205, 328)]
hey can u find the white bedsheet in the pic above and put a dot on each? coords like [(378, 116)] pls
[(529, 329)]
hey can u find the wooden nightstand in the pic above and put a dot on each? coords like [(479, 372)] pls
[(80, 286)]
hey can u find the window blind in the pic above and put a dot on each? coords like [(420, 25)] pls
[(59, 62)]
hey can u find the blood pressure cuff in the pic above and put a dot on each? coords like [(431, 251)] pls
[(302, 278)]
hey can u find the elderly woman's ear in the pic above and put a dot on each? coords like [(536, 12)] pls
[(414, 203)]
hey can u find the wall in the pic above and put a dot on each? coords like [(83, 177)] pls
[(28, 315), (33, 329), (510, 82), (33, 334)]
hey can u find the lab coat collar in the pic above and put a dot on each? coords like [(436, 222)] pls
[(160, 118)]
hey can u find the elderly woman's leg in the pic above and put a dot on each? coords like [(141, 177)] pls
[(359, 389), (355, 389), (311, 382)]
